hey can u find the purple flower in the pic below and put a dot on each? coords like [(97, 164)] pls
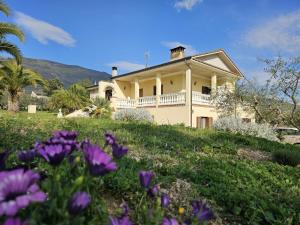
[(201, 211), (27, 156), (3, 156), (98, 161), (52, 153), (78, 203), (170, 221), (125, 209), (119, 151), (68, 135), (153, 192), (164, 200), (18, 188), (110, 139), (145, 178), (119, 221), (14, 221)]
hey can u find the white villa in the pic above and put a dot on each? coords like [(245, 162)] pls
[(174, 92)]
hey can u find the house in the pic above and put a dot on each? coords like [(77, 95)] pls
[(174, 92)]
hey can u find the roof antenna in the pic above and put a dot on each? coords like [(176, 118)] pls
[(147, 56)]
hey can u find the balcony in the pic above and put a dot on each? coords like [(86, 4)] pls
[(166, 99)]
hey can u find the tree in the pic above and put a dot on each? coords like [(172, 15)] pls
[(276, 101), (9, 29), (85, 82), (52, 85), (14, 78), (71, 99)]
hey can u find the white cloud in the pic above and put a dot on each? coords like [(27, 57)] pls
[(186, 4), (43, 31), (127, 66), (279, 34), (189, 49)]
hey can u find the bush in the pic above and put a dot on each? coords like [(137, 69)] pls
[(237, 126), (133, 115), (287, 157)]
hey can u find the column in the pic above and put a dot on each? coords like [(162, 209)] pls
[(158, 88), (136, 89), (213, 84), (188, 98)]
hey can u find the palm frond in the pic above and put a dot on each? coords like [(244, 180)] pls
[(8, 28), (11, 49), (4, 8)]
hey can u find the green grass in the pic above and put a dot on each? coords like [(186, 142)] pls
[(241, 191)]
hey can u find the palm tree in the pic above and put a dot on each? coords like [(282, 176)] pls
[(9, 29), (14, 78)]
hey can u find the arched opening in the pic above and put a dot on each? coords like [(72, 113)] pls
[(108, 93)]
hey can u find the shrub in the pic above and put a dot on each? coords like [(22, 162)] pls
[(237, 126), (133, 115), (287, 157)]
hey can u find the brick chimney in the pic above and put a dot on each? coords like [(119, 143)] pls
[(177, 53)]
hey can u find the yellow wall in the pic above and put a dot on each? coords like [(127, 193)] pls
[(122, 89), (169, 115), (203, 111), (176, 86), (197, 83), (147, 87)]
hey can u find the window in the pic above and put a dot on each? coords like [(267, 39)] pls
[(246, 120), (154, 90), (206, 90), (141, 92), (204, 122)]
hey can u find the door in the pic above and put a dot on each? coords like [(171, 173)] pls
[(204, 122), (141, 92)]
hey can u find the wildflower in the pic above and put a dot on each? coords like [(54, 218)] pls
[(145, 178), (67, 135), (17, 190), (201, 211), (119, 221), (14, 221), (53, 153), (78, 203), (181, 210), (165, 200), (153, 192), (110, 139), (98, 161), (170, 221), (119, 151), (3, 156), (125, 209), (27, 156)]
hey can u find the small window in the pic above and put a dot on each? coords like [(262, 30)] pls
[(206, 90)]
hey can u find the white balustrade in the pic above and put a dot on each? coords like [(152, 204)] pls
[(125, 103), (147, 101), (172, 99), (199, 98)]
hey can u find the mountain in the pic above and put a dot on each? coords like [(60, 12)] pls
[(68, 74)]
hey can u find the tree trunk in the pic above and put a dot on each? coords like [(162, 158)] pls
[(13, 103)]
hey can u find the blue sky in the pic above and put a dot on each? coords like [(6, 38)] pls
[(98, 34)]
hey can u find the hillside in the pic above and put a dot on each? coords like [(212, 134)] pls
[(68, 74), (188, 164)]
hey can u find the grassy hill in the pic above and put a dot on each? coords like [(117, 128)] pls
[(188, 163), (68, 74)]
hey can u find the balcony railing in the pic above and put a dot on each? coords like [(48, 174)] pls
[(165, 99), (172, 99), (125, 103), (199, 98), (147, 101)]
